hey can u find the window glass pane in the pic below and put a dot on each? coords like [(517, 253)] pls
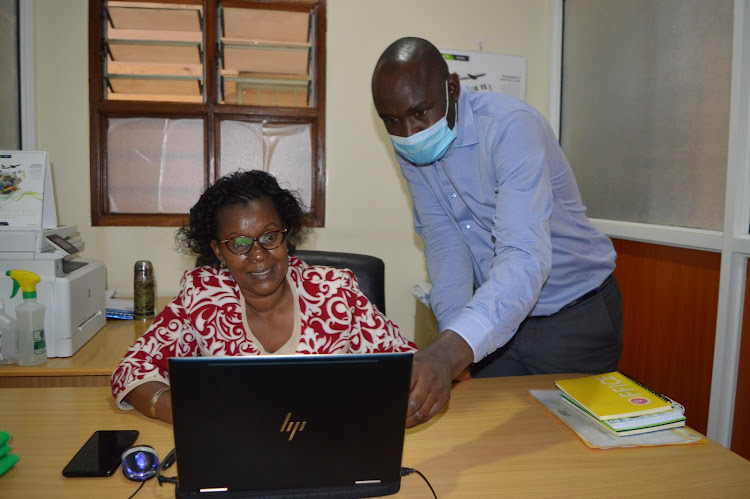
[(126, 51), (10, 123), (282, 150), (266, 57), (155, 165), (154, 16), (154, 51), (153, 88), (265, 92), (265, 25), (645, 108)]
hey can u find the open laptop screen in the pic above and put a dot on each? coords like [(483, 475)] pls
[(282, 425)]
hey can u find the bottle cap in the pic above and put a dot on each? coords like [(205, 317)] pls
[(143, 268)]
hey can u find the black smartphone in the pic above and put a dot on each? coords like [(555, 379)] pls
[(62, 244), (101, 454)]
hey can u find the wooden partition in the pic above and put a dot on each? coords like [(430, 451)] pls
[(740, 430), (670, 298)]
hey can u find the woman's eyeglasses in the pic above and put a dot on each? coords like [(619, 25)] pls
[(242, 245)]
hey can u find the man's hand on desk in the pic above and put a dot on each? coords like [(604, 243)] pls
[(434, 368)]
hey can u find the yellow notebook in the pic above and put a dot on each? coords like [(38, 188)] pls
[(613, 395)]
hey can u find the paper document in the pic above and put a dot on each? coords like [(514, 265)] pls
[(596, 437), (120, 309), (487, 72)]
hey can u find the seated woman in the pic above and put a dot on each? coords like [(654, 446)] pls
[(249, 296)]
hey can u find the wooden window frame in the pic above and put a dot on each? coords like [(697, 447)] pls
[(210, 111)]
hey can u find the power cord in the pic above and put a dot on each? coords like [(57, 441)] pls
[(137, 490), (170, 459), (408, 471), (165, 464)]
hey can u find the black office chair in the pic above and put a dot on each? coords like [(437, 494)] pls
[(369, 270)]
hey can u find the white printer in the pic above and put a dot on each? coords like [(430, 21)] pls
[(72, 289)]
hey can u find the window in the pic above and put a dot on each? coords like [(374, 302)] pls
[(645, 97), (185, 91)]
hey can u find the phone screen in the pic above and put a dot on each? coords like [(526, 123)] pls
[(101, 454), (61, 243)]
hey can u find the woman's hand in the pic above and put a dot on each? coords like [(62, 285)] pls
[(142, 398)]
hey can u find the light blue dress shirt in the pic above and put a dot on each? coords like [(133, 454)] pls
[(505, 232)]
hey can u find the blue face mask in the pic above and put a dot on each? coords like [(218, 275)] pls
[(430, 144)]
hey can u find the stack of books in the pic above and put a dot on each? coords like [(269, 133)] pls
[(620, 404), (120, 309)]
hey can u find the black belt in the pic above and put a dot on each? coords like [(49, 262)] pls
[(589, 294)]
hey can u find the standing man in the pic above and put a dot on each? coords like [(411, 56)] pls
[(521, 281)]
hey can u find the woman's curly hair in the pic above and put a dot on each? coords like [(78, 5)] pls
[(239, 188)]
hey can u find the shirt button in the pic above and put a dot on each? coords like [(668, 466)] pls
[(453, 195), (468, 226)]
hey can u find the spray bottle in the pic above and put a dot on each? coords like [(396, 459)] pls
[(32, 348), (8, 337)]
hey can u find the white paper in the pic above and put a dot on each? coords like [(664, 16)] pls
[(594, 436), (488, 72), (120, 305), (27, 199), (422, 292)]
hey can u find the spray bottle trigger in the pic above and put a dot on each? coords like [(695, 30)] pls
[(16, 285)]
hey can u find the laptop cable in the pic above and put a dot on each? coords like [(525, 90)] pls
[(137, 490), (168, 461), (408, 471)]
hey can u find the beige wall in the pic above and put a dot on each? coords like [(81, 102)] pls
[(368, 209)]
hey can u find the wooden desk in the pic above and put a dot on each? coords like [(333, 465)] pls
[(493, 441), (91, 365)]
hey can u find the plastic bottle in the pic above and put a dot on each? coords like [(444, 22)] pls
[(144, 289), (8, 337), (32, 347)]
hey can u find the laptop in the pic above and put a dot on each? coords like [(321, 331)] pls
[(290, 426)]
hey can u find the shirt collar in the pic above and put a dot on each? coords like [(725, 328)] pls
[(466, 133)]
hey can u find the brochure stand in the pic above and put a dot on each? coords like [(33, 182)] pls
[(27, 200)]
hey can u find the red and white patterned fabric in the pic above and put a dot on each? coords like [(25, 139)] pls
[(205, 319)]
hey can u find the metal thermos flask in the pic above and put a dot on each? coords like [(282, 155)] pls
[(144, 289)]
